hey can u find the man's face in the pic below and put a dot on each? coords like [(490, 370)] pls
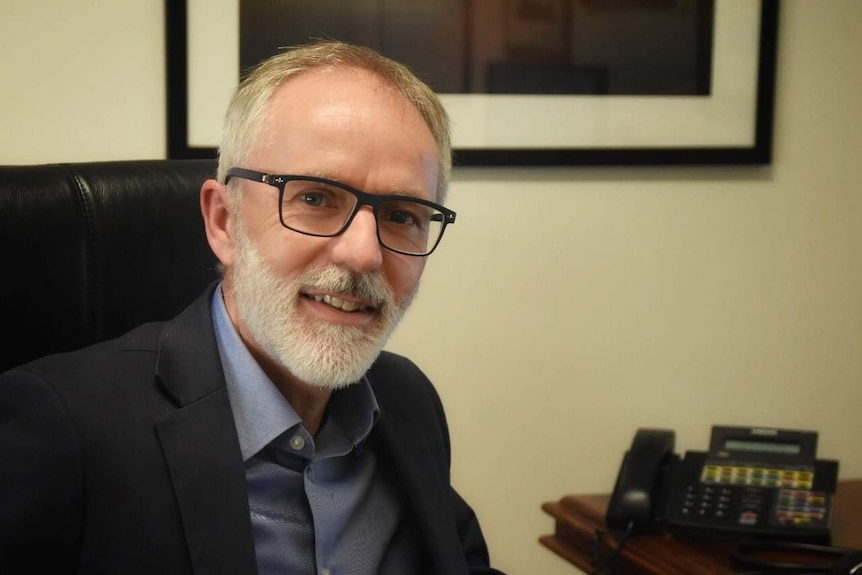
[(322, 308)]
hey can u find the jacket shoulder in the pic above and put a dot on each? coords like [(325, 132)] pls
[(398, 375), (142, 339)]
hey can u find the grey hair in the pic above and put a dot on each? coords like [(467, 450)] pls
[(249, 105)]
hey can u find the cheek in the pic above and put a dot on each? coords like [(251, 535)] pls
[(289, 254), (404, 273)]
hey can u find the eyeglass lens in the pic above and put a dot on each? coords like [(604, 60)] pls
[(323, 209)]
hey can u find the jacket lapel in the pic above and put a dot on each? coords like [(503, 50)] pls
[(423, 471), (201, 447)]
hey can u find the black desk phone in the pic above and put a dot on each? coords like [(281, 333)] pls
[(757, 482)]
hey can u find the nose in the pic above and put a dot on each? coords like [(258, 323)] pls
[(357, 248)]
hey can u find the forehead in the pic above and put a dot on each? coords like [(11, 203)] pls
[(338, 89), (350, 125)]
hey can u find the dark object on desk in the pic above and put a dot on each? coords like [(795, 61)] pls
[(90, 250), (577, 517), (639, 498), (851, 564), (753, 482), (771, 557)]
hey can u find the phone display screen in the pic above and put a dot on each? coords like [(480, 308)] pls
[(752, 446)]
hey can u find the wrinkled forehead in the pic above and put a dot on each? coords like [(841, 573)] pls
[(337, 122), (339, 87)]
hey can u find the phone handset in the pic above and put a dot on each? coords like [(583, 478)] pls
[(636, 502)]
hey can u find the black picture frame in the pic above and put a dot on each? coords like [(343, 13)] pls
[(755, 150)]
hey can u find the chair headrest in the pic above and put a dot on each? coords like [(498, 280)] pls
[(91, 250)]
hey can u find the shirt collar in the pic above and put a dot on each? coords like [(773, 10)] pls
[(260, 411)]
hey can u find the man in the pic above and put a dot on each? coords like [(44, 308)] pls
[(263, 430)]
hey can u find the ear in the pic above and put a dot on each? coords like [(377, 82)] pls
[(218, 220)]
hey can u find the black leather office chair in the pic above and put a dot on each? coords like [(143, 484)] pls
[(90, 250)]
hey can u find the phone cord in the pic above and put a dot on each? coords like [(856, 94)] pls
[(598, 548), (599, 562)]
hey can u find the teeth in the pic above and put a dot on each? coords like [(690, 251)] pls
[(339, 303)]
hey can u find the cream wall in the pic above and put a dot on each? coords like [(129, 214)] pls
[(568, 306), (81, 80)]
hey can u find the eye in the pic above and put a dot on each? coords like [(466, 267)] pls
[(401, 217), (404, 215), (302, 195), (312, 199)]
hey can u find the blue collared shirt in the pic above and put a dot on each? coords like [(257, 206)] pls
[(318, 504)]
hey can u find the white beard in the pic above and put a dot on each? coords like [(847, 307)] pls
[(318, 353)]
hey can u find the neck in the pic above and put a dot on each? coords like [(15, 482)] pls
[(308, 401)]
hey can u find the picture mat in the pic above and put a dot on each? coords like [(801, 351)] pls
[(480, 121)]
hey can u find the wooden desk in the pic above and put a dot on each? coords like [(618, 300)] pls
[(578, 516)]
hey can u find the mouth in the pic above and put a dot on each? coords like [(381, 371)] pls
[(341, 304)]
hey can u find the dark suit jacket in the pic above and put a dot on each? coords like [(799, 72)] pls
[(123, 458)]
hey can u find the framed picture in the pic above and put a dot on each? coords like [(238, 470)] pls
[(525, 82), (537, 30)]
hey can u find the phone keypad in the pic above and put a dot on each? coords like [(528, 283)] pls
[(747, 506), (706, 502)]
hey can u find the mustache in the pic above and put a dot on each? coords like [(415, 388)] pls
[(370, 287)]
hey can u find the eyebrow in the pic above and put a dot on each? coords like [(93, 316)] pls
[(400, 193)]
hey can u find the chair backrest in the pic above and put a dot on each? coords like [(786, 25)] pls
[(90, 250)]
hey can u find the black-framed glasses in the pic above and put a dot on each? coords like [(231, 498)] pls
[(321, 207)]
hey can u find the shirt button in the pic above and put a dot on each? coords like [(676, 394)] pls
[(297, 443), (326, 572)]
